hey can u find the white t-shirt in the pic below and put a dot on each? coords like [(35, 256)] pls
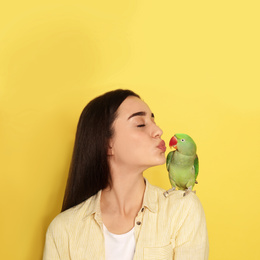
[(118, 247)]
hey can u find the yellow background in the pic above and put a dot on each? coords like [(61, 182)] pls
[(196, 63)]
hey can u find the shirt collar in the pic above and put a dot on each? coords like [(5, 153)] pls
[(150, 197), (149, 201), (94, 204)]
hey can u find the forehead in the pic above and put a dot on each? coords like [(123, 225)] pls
[(132, 105)]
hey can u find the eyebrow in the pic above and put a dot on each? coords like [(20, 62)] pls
[(141, 113)]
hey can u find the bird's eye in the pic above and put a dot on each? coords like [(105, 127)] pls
[(183, 140)]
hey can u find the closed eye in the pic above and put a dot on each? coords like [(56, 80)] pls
[(141, 125)]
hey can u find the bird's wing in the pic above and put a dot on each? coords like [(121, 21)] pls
[(168, 160), (196, 166)]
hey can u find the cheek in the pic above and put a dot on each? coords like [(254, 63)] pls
[(130, 145), (122, 144)]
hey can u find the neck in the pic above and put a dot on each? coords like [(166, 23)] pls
[(126, 193)]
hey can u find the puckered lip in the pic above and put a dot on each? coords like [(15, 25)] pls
[(162, 146)]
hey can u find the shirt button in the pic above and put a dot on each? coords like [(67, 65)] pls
[(138, 223), (142, 210)]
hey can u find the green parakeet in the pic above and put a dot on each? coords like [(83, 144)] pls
[(182, 164)]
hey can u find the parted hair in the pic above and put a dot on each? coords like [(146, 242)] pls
[(89, 169)]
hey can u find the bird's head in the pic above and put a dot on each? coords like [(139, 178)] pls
[(183, 143)]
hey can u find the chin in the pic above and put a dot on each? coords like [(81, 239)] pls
[(163, 162), (159, 161)]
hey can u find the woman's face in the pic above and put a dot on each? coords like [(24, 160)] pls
[(136, 142)]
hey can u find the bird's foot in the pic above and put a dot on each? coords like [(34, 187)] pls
[(167, 193), (187, 191)]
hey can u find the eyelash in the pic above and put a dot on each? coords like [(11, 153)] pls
[(141, 125)]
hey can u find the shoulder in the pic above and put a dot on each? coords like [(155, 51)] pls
[(190, 200), (188, 204), (175, 196), (187, 212), (177, 203), (65, 220)]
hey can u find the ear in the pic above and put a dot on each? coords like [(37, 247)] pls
[(110, 151)]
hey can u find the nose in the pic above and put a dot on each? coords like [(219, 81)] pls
[(157, 132)]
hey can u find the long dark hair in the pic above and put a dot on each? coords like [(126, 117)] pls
[(89, 170)]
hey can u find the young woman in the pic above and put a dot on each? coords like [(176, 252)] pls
[(109, 210)]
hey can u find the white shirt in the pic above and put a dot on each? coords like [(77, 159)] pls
[(118, 247)]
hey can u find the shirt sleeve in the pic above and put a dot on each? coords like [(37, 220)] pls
[(191, 241), (50, 251)]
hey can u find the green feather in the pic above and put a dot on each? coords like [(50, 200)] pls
[(169, 159), (196, 166)]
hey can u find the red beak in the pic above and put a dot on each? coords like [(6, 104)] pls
[(173, 142)]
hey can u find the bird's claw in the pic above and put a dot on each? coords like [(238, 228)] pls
[(187, 191), (167, 193)]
